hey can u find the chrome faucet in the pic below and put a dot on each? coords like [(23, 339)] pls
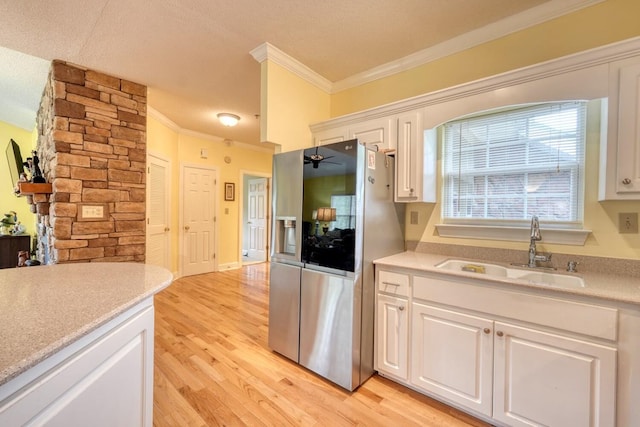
[(535, 236)]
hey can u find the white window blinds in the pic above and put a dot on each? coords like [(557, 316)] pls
[(510, 165)]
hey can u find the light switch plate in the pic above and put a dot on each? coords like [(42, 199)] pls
[(93, 212), (628, 222)]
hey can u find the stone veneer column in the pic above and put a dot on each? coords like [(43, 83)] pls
[(92, 147)]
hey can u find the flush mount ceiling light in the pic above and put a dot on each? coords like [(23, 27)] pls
[(228, 119)]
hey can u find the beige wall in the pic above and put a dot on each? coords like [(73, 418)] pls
[(8, 201), (289, 105), (183, 148), (604, 23)]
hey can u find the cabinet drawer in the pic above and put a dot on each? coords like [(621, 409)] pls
[(393, 283), (587, 319)]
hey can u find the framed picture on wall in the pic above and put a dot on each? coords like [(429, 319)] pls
[(229, 191)]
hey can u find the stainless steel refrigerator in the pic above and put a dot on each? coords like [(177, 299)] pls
[(332, 215)]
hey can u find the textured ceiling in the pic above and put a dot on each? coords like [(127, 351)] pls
[(194, 54)]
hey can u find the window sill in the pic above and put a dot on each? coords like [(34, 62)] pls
[(515, 234)]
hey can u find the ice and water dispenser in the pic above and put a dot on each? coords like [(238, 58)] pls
[(285, 234)]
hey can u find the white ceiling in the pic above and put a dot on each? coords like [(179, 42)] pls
[(194, 55)]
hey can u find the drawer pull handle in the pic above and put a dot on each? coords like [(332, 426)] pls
[(390, 283), (499, 333), (487, 330)]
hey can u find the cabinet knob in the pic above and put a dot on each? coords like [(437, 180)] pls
[(166, 229), (487, 330), (626, 181), (499, 333), (401, 308), (187, 228), (411, 190)]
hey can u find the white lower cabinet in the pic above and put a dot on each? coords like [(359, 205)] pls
[(103, 379), (393, 333), (485, 357), (551, 380), (452, 356)]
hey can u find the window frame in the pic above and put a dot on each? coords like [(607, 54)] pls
[(566, 233), (485, 173)]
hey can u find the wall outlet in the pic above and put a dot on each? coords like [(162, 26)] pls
[(628, 222), (414, 218)]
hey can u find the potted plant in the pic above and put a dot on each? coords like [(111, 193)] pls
[(7, 223)]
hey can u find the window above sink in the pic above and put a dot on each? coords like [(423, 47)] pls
[(502, 166)]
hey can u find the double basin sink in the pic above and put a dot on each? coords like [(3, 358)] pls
[(540, 278)]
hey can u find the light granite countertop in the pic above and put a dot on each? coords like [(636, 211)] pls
[(45, 308), (608, 286)]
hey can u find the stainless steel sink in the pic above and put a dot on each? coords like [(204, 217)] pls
[(530, 276)]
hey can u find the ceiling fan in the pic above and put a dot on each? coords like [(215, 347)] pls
[(316, 158)]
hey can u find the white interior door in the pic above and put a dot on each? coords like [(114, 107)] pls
[(257, 219), (158, 212), (198, 220)]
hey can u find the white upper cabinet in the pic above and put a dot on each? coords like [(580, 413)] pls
[(330, 136), (620, 152), (378, 134), (399, 135), (416, 157)]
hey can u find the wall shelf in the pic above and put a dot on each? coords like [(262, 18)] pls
[(30, 188), (37, 196)]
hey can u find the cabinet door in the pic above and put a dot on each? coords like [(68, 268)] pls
[(407, 162), (416, 159), (452, 356), (330, 136), (620, 150), (628, 155), (107, 382), (391, 336), (546, 379), (380, 133)]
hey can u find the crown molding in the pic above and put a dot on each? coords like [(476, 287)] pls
[(512, 24), (152, 112), (267, 51), (536, 15), (577, 61)]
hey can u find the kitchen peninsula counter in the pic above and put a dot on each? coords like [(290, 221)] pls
[(45, 308)]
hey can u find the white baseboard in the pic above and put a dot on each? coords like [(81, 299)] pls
[(229, 266)]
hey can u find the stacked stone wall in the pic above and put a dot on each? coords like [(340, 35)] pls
[(92, 146)]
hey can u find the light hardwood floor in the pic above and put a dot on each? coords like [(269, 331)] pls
[(213, 367)]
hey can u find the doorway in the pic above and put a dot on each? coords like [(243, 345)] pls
[(198, 229), (255, 218)]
